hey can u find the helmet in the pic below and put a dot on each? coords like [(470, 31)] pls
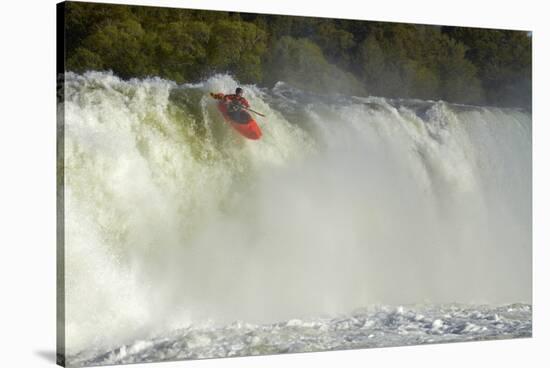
[(239, 91)]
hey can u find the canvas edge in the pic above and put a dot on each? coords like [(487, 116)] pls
[(60, 184)]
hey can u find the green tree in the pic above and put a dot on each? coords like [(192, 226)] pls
[(83, 60), (335, 43), (179, 51), (83, 19), (503, 59), (236, 46), (301, 63), (120, 47), (457, 64), (371, 64), (390, 72), (459, 82)]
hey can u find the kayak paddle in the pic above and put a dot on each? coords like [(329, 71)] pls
[(217, 97), (255, 112)]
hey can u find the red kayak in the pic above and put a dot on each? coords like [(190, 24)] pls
[(241, 120)]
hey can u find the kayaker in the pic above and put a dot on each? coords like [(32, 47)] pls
[(236, 102), (235, 110)]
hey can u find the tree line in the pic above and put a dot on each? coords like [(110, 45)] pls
[(456, 64)]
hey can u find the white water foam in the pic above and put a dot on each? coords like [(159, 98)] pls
[(174, 219)]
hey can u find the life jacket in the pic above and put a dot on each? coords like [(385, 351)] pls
[(236, 100)]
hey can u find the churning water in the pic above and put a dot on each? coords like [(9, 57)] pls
[(177, 228)]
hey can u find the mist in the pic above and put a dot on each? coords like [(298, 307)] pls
[(173, 219)]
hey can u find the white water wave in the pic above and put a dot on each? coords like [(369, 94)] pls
[(373, 328), (174, 219)]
